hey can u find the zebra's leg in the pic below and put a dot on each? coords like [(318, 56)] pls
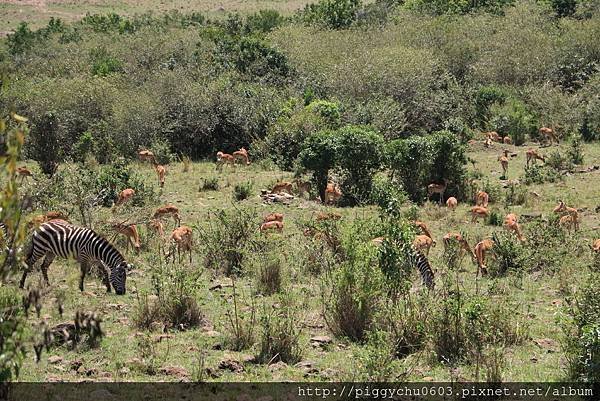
[(106, 278), (45, 264), (84, 266), (30, 262)]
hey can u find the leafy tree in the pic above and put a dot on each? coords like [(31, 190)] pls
[(318, 155)]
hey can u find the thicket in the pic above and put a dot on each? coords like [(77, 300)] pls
[(108, 84)]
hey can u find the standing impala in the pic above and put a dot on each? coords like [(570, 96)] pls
[(437, 189)]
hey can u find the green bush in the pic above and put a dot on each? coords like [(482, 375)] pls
[(334, 14), (509, 255), (581, 328), (296, 122), (420, 161), (113, 178), (228, 239), (350, 294), (263, 21), (103, 63), (280, 337), (513, 119), (485, 98), (242, 191)]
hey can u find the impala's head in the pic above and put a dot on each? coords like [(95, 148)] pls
[(220, 155), (118, 276)]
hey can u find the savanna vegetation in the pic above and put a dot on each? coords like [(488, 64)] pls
[(381, 110)]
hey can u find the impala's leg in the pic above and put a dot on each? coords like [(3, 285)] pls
[(84, 266)]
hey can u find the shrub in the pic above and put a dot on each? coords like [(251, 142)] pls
[(269, 278), (21, 40), (575, 151), (359, 154), (210, 184), (242, 322), (263, 21), (515, 195), (334, 14), (162, 152), (280, 337), (350, 294), (535, 174), (113, 178), (419, 161), (377, 357), (103, 63), (388, 195), (318, 155), (242, 191), (508, 255), (581, 328), (513, 119), (286, 136), (494, 218), (228, 238), (485, 98), (174, 304)]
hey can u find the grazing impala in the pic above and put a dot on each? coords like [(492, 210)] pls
[(511, 224), (507, 140), (333, 193), (160, 172), (482, 199), (146, 156), (596, 246), (181, 238), (563, 209), (504, 162), (24, 173), (303, 187), (493, 135), (283, 186), (437, 189), (223, 159), (548, 135), (533, 155), (272, 225), (423, 227), (480, 250), (157, 226), (479, 212), (454, 237), (451, 203), (566, 222), (423, 243), (131, 233), (125, 196), (321, 216), (242, 155), (273, 217), (168, 211)]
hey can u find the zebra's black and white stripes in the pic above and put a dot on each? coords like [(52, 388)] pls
[(424, 267), (3, 232), (59, 238)]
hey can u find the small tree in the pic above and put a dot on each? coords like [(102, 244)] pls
[(318, 156)]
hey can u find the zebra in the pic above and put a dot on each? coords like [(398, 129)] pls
[(4, 232), (59, 238), (424, 267)]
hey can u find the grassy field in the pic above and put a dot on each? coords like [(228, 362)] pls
[(37, 12), (199, 353)]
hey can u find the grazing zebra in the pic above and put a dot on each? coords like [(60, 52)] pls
[(59, 238), (4, 234), (424, 268), (418, 259)]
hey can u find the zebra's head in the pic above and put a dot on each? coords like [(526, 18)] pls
[(118, 276)]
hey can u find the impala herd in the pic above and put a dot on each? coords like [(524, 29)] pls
[(181, 238)]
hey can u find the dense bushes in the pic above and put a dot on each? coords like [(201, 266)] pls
[(218, 85), (355, 153), (419, 161)]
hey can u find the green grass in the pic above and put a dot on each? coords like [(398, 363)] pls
[(37, 13), (538, 295)]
